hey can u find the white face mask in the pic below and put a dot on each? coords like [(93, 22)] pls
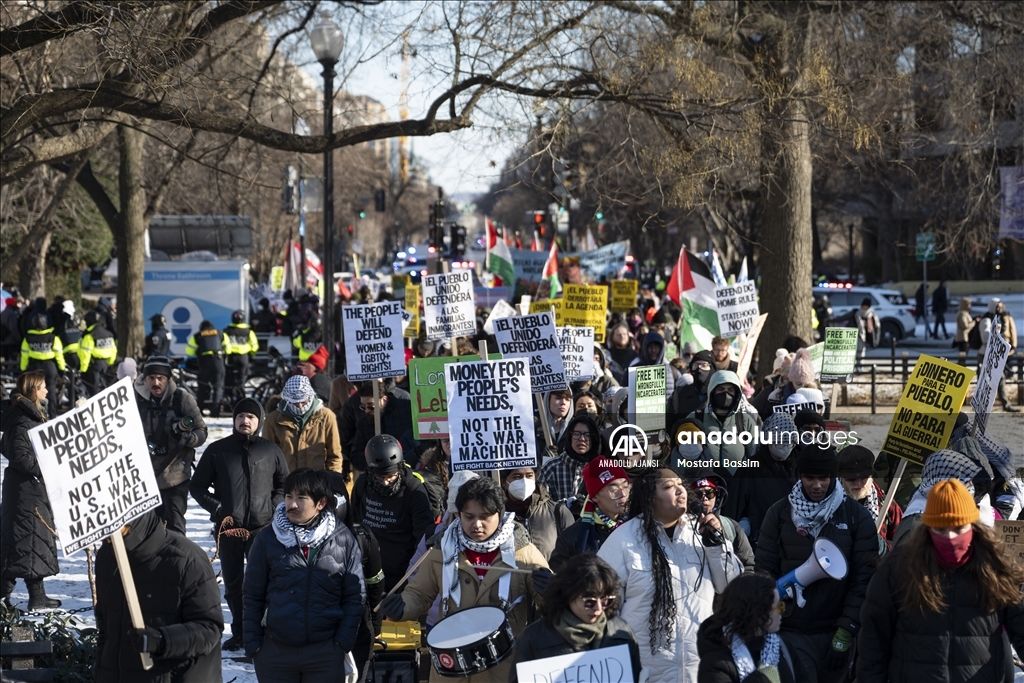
[(780, 451), (521, 489), (690, 451)]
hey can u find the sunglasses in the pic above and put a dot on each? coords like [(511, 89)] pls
[(366, 407), (706, 494), (591, 603)]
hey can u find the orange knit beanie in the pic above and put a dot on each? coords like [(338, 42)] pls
[(949, 504)]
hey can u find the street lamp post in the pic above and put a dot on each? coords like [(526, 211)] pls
[(327, 40)]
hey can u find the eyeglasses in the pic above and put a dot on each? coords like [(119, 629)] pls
[(706, 494), (581, 436), (618, 490), (591, 603), (366, 407), (779, 607)]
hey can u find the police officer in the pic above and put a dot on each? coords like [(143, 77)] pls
[(309, 339), (97, 352), (71, 338), (41, 349), (240, 345), (158, 343), (208, 345)]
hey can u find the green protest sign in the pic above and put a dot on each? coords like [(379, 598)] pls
[(429, 401), (840, 355)]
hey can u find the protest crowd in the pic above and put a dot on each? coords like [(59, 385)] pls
[(621, 485)]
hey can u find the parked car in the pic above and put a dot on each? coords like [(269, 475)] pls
[(894, 312)]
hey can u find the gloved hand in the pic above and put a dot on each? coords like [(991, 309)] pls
[(541, 578), (147, 640), (838, 652), (393, 607)]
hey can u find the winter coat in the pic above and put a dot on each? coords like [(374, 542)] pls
[(940, 299), (582, 537), (425, 586), (28, 549), (761, 487), (300, 601), (562, 476), (641, 361), (247, 473), (558, 431), (159, 416), (831, 604), (316, 446), (718, 666), (964, 643), (545, 520), (1004, 323), (861, 317), (179, 596), (603, 377), (627, 552), (540, 640), (395, 419), (964, 321)]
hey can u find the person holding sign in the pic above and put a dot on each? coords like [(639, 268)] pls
[(580, 613), (652, 352), (945, 604), (28, 547)]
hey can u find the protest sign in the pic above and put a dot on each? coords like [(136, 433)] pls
[(96, 465), (448, 306), (533, 337), (606, 664), (840, 354), (398, 285), (502, 309), (604, 261), (548, 305), (927, 411), (1012, 533), (737, 308), (577, 347), (429, 399), (277, 278), (585, 306), (490, 410), (747, 353), (815, 352), (646, 401), (373, 343), (624, 295), (794, 408), (412, 307), (991, 371)]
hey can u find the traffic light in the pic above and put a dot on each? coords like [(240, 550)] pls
[(380, 201), (599, 216), (458, 241), (290, 190), (362, 214), (351, 230)]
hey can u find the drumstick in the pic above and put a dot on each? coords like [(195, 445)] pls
[(403, 579), (504, 569)]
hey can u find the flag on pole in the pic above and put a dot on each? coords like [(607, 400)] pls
[(550, 272), (693, 289), (499, 258), (716, 269), (743, 277)]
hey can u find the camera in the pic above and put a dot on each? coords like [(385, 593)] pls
[(185, 424), (155, 450)]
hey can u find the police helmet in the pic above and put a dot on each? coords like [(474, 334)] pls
[(383, 454), (238, 317)]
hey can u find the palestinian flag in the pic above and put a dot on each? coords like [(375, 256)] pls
[(693, 288), (499, 258), (550, 272)]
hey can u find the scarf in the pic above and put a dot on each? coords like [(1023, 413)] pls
[(809, 517), (455, 541), (871, 501), (291, 535), (579, 634), (592, 514), (300, 420), (380, 488), (769, 657)]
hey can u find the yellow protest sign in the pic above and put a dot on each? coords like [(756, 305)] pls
[(546, 305), (928, 409), (623, 295), (585, 306), (277, 278), (412, 305)]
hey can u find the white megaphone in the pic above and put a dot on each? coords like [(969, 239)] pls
[(826, 562)]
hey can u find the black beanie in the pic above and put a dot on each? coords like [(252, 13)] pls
[(815, 460), (703, 356), (253, 407), (807, 417)]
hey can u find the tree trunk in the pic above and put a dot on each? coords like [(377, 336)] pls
[(786, 233), (130, 241), (32, 270)]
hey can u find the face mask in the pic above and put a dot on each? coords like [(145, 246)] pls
[(521, 489), (953, 552), (780, 451), (592, 414), (690, 451), (702, 376), (722, 401)]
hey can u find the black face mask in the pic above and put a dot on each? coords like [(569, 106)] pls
[(723, 401), (702, 376)]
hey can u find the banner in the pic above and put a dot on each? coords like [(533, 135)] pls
[(533, 337), (840, 355), (646, 402), (502, 309), (1011, 205), (429, 398), (604, 665), (997, 351), (747, 354), (577, 347), (624, 295), (448, 306), (96, 466), (605, 261), (412, 307), (927, 411), (585, 306), (737, 308), (373, 341), (490, 408)]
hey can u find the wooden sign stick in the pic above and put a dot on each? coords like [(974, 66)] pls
[(893, 484), (376, 406), (128, 582)]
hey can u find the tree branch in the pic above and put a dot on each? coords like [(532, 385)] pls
[(20, 158)]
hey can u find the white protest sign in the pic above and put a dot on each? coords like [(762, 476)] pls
[(646, 407), (607, 665), (737, 308), (533, 336), (502, 309), (794, 408), (448, 306), (747, 354), (997, 351), (95, 463), (577, 347), (490, 415), (373, 340)]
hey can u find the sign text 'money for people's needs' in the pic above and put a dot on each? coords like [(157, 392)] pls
[(577, 347), (373, 341), (490, 415), (533, 337), (96, 466), (737, 308), (448, 306)]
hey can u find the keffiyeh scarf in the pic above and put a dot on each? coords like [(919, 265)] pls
[(592, 514), (291, 535), (810, 517), (455, 541), (769, 658)]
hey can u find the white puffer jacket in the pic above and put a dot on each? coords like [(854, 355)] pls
[(627, 552)]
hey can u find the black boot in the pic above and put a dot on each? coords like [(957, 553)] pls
[(7, 587), (37, 598)]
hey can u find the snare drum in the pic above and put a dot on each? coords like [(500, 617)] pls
[(470, 642)]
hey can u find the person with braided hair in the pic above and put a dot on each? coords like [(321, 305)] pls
[(670, 568)]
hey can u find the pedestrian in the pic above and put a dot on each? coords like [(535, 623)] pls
[(304, 594), (560, 414), (107, 311), (304, 429), (395, 408), (96, 352), (313, 369), (42, 351), (856, 467), (10, 334), (940, 304), (965, 322), (28, 546), (240, 482), (580, 614), (563, 474), (946, 604), (240, 347), (263, 319), (670, 569), (868, 329), (309, 338), (604, 510), (997, 320), (434, 470), (620, 350), (208, 346), (529, 501), (158, 341), (723, 359), (921, 307), (180, 603), (939, 466)]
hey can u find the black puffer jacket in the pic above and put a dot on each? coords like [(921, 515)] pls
[(965, 643), (758, 488), (320, 601), (718, 666), (582, 537), (830, 604), (28, 550), (540, 640), (179, 596)]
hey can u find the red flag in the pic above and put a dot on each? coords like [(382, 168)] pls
[(535, 243), (676, 283), (550, 273)]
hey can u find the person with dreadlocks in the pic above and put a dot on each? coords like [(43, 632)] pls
[(670, 568)]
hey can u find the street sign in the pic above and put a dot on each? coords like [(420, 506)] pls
[(926, 246)]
